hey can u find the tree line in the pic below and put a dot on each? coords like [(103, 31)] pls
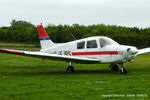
[(26, 32)]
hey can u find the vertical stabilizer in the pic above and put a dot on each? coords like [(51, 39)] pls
[(45, 41)]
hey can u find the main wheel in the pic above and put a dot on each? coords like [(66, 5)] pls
[(70, 69), (114, 67), (123, 71)]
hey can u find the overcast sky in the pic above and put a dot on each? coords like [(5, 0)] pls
[(110, 12)]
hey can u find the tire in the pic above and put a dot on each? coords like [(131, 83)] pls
[(114, 67), (70, 69), (123, 71)]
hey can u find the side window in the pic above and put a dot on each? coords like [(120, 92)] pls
[(81, 45), (91, 44)]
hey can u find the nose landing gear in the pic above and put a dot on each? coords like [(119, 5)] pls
[(123, 70), (114, 67)]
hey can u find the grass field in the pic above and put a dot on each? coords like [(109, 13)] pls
[(18, 45), (26, 78)]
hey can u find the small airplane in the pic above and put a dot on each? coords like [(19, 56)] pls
[(92, 50)]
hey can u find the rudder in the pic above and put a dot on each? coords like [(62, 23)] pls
[(45, 41)]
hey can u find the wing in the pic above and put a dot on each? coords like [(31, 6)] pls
[(52, 56), (142, 51)]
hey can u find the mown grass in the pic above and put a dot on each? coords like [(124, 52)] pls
[(26, 78), (18, 45)]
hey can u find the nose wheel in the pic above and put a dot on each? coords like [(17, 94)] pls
[(70, 68), (114, 67), (123, 70)]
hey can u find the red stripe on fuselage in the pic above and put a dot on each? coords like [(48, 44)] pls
[(95, 53)]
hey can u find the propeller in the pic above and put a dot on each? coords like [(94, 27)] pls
[(131, 53)]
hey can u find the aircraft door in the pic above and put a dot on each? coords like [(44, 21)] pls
[(92, 48)]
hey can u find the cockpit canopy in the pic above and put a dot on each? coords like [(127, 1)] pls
[(106, 41), (95, 42)]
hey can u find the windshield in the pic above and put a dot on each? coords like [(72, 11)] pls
[(107, 41)]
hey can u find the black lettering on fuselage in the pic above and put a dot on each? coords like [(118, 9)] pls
[(68, 53)]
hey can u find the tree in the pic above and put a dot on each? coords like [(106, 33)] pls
[(21, 23), (25, 32)]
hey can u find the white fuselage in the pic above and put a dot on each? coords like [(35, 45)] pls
[(102, 48)]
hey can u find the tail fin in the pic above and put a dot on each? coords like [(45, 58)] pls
[(45, 41)]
